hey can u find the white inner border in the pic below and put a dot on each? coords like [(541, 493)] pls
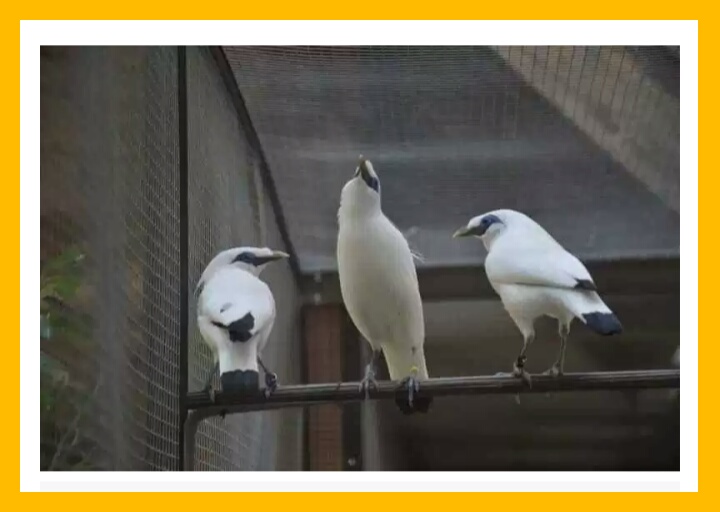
[(33, 34)]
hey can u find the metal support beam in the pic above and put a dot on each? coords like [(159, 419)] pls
[(618, 277), (184, 244), (254, 141), (314, 394)]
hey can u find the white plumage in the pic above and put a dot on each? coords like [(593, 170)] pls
[(535, 276), (236, 313), (379, 285)]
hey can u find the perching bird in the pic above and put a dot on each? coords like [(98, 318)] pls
[(535, 276), (379, 286), (235, 313)]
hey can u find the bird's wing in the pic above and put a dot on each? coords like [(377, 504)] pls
[(554, 268), (232, 296)]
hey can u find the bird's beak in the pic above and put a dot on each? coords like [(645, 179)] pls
[(363, 169), (279, 255), (463, 231)]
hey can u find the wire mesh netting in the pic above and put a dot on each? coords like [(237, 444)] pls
[(584, 139), (220, 174), (226, 210), (110, 252), (110, 243)]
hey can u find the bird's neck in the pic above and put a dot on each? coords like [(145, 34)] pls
[(353, 211), (490, 239)]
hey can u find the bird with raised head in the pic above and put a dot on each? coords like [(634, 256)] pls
[(379, 286)]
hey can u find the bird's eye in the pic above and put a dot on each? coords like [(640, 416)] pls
[(245, 257), (374, 184)]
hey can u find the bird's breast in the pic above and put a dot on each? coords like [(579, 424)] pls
[(378, 280), (373, 252), (530, 302)]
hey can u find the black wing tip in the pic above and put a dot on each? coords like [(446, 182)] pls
[(585, 284), (239, 330), (606, 324)]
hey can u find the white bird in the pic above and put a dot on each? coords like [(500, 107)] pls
[(535, 276), (379, 287), (235, 314)]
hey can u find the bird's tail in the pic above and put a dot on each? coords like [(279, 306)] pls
[(238, 367), (590, 309), (400, 360), (238, 356)]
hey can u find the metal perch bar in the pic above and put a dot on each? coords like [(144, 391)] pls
[(201, 407)]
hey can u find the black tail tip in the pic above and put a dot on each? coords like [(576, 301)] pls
[(240, 381), (420, 404), (606, 324)]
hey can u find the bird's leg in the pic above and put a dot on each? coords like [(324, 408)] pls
[(408, 397), (557, 368), (519, 365), (564, 333), (271, 379), (208, 384), (369, 378), (412, 385)]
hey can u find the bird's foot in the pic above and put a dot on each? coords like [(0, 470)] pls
[(367, 382), (406, 399), (271, 382), (519, 371), (413, 387), (554, 371), (412, 401)]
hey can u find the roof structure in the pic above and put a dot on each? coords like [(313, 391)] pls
[(583, 139)]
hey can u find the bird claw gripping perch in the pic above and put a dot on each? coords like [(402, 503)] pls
[(519, 370), (554, 371), (368, 381), (411, 386), (271, 382)]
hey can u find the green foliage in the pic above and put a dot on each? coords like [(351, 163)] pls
[(60, 280), (61, 276), (63, 399)]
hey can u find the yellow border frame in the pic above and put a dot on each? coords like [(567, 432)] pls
[(369, 9)]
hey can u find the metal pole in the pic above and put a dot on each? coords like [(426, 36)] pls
[(184, 242), (253, 140), (188, 441), (314, 394)]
